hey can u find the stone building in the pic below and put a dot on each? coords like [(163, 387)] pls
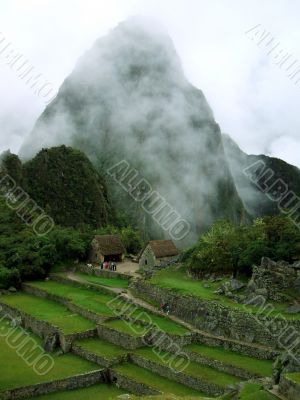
[(158, 254), (107, 248)]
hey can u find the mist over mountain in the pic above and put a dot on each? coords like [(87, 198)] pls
[(128, 99), (256, 202)]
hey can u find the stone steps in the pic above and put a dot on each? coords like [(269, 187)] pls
[(180, 369), (141, 382), (100, 352), (230, 362), (256, 350)]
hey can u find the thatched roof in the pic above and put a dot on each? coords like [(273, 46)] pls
[(163, 248), (108, 245)]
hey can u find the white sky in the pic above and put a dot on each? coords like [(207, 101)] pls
[(252, 99)]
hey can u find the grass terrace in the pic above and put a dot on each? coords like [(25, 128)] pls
[(178, 281), (164, 385), (209, 374), (253, 365), (96, 302), (49, 311), (97, 392), (15, 371), (254, 391), (295, 377), (129, 328), (101, 348), (116, 282), (164, 324)]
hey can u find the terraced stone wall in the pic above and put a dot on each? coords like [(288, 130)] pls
[(221, 320), (169, 370), (74, 382), (132, 386), (119, 338)]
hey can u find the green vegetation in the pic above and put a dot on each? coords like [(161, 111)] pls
[(97, 392), (193, 369), (102, 281), (295, 377), (50, 311), (101, 348), (91, 300), (130, 238), (253, 365), (15, 371), (164, 324), (227, 248), (129, 328), (180, 282), (164, 385), (64, 182), (254, 391)]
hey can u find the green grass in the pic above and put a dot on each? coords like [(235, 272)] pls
[(97, 392), (209, 374), (50, 311), (254, 391), (253, 365), (116, 282), (101, 348), (96, 302), (129, 328), (15, 372), (179, 282), (164, 385), (164, 324), (295, 377)]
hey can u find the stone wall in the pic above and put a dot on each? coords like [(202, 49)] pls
[(135, 387), (220, 320), (289, 388), (119, 338), (248, 349), (168, 372), (40, 328), (100, 360), (43, 329), (219, 365), (147, 259), (102, 272), (272, 279), (74, 382)]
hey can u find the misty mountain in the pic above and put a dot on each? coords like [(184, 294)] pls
[(256, 202), (128, 99)]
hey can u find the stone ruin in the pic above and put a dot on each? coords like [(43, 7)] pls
[(275, 281)]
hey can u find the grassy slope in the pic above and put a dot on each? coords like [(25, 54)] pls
[(97, 392), (295, 377), (47, 310), (88, 299), (15, 372), (127, 327), (155, 381), (97, 280), (164, 324), (263, 367), (200, 371), (177, 280), (101, 348)]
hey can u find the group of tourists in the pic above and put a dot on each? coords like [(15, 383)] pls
[(110, 265)]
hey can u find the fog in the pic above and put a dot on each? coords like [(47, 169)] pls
[(251, 98)]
